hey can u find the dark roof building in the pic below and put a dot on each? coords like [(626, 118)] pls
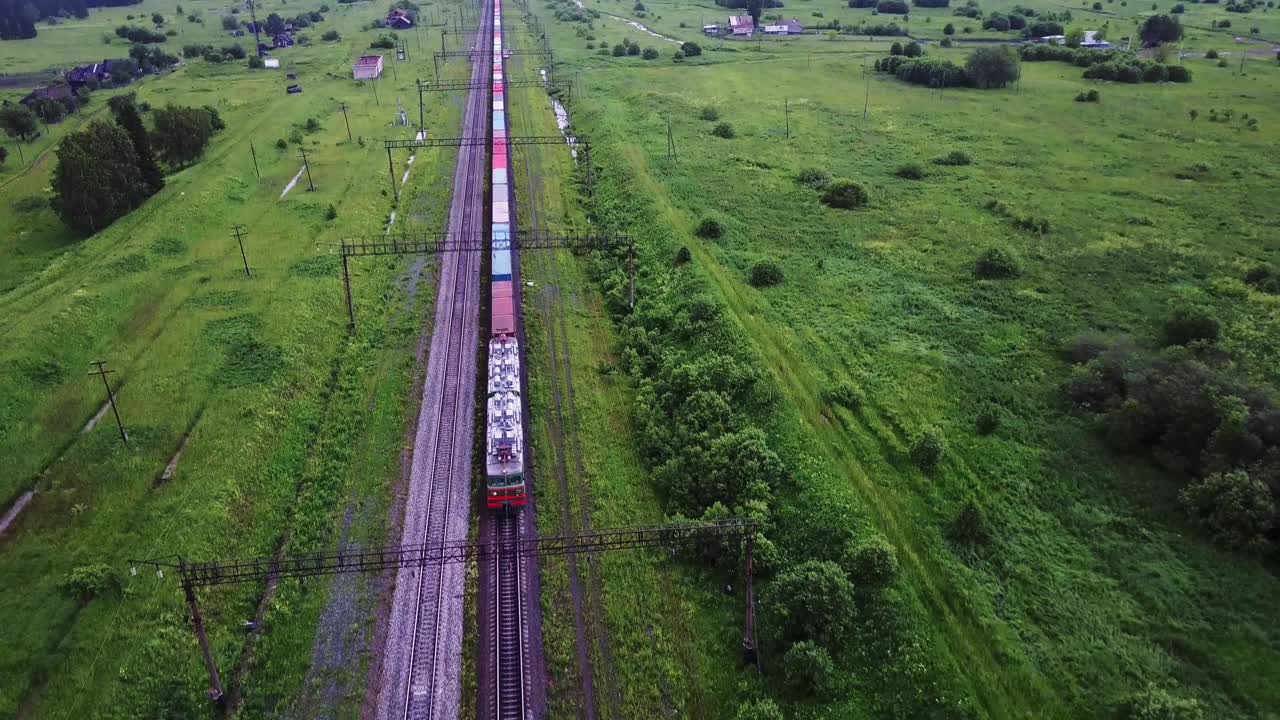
[(52, 92), (398, 19)]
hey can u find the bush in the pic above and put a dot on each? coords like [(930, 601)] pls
[(723, 130), (949, 29), (910, 171), (766, 273), (330, 36), (255, 62), (843, 393), (946, 42), (234, 52), (1188, 325), (650, 54), (987, 420), (690, 49), (281, 144), (1091, 96), (633, 49), (385, 42), (331, 213), (709, 229), (764, 709), (1178, 74), (815, 178), (709, 113), (683, 255), (1211, 55), (845, 195), (86, 582), (1155, 703), (619, 50), (812, 600), (969, 526), (1238, 510), (895, 48), (873, 563), (807, 669), (995, 263), (912, 49), (229, 22), (927, 447), (953, 158), (893, 7)]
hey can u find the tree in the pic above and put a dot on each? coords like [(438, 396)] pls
[(1075, 36), (18, 121), (812, 600), (690, 49), (895, 48), (650, 54), (723, 130), (49, 110), (125, 110), (1159, 29), (275, 24), (993, 67), (1237, 509), (766, 273), (88, 581), (807, 668), (1194, 114), (949, 29), (97, 179), (927, 447), (845, 195), (157, 18), (181, 134), (912, 49)]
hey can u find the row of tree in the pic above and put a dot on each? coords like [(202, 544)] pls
[(18, 18), (108, 169)]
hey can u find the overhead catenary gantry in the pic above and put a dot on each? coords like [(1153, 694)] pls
[(425, 86), (721, 534), (427, 244), (513, 141)]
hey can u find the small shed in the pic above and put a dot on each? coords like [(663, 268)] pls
[(711, 30), (271, 62), (368, 67)]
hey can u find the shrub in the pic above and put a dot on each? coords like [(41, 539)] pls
[(815, 178), (709, 229), (893, 7), (619, 50), (331, 213), (946, 42), (987, 420), (969, 526), (650, 54), (281, 144), (807, 669), (845, 195), (912, 49), (633, 49), (330, 36), (690, 49), (1188, 325), (766, 273), (949, 29), (812, 600), (312, 125), (255, 62), (723, 130), (86, 582), (709, 113), (843, 393), (895, 48), (763, 709), (873, 563), (910, 171), (1211, 55), (683, 255), (927, 447), (1178, 74), (953, 158), (1238, 510), (1155, 703)]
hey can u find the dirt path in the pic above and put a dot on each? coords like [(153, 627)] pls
[(15, 510), (292, 182)]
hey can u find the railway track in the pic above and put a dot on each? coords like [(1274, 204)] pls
[(421, 679), (508, 609)]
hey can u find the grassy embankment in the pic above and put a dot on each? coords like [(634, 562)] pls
[(1094, 584), (293, 426)]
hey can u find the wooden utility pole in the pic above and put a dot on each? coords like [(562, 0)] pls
[(343, 108), (254, 153), (215, 683), (240, 232), (391, 169), (749, 651), (786, 111), (631, 276), (311, 187), (346, 285), (111, 397), (586, 158), (671, 141), (866, 100)]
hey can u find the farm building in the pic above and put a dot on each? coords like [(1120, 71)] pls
[(742, 25), (282, 40), (271, 62), (711, 30), (368, 67), (785, 27), (398, 19), (52, 92), (1091, 40)]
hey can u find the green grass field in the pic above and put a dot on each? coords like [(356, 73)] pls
[(1095, 585)]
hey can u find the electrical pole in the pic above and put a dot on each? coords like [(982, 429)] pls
[(786, 110), (215, 683), (671, 142), (374, 83), (421, 122), (346, 285), (257, 42), (391, 170), (306, 164), (111, 397), (240, 232), (343, 108), (21, 157), (866, 101), (254, 153)]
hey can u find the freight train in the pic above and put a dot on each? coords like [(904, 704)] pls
[(504, 430)]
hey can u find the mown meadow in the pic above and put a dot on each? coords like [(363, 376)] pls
[(1039, 573), (292, 427)]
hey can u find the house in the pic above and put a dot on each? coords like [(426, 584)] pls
[(282, 40), (742, 25), (1052, 39), (368, 67), (52, 92), (83, 74), (398, 19), (271, 62), (711, 30), (1091, 40), (785, 27)]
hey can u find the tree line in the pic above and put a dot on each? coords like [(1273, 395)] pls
[(18, 18), (110, 168)]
